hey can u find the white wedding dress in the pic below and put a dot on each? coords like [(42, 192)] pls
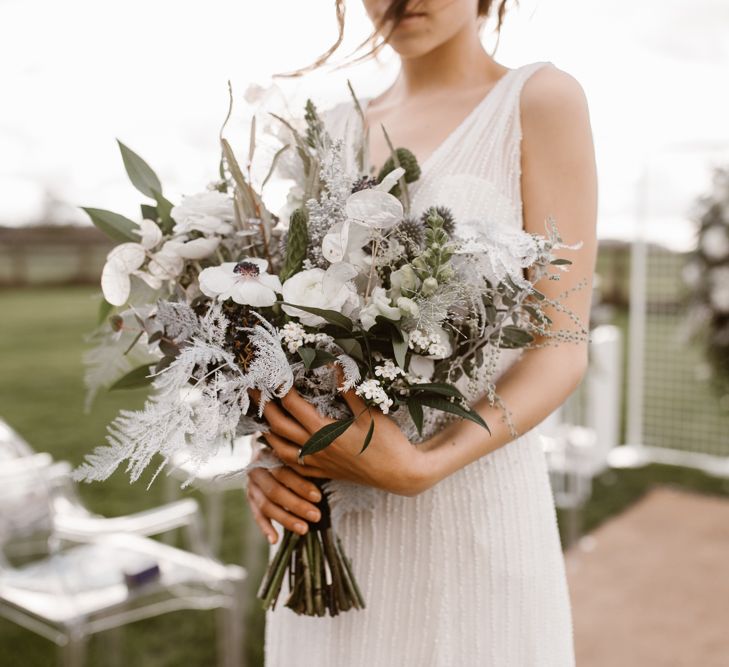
[(469, 573)]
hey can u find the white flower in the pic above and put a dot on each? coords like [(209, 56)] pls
[(715, 243), (421, 366), (344, 242), (207, 212), (125, 260), (403, 279), (434, 344), (389, 181), (388, 370), (246, 282), (374, 208), (373, 391), (378, 304), (331, 289), (408, 307)]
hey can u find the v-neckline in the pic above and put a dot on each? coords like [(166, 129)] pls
[(456, 130)]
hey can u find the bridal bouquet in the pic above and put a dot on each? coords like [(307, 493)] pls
[(216, 295)]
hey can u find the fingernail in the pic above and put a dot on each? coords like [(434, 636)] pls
[(313, 515), (300, 528), (315, 496), (271, 538)]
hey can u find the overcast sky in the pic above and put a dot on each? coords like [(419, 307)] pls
[(76, 74)]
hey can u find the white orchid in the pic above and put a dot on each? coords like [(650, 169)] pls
[(378, 304), (246, 282), (125, 260), (209, 212), (316, 288)]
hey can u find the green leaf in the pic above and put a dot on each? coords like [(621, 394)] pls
[(139, 172), (440, 403), (134, 379), (325, 436), (149, 212), (307, 355), (322, 358), (400, 348), (560, 261), (164, 208), (331, 316), (416, 412), (115, 226), (104, 309), (514, 337), (351, 346), (368, 437), (437, 388)]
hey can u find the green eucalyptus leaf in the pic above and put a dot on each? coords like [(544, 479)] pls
[(514, 337), (307, 355), (400, 348), (140, 173), (560, 261), (115, 226), (149, 212), (352, 347), (325, 436), (322, 358), (134, 379), (164, 208), (437, 388)]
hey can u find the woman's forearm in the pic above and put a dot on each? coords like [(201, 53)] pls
[(530, 390)]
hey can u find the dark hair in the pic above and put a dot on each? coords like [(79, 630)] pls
[(394, 13)]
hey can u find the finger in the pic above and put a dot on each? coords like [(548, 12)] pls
[(273, 511), (355, 402), (265, 526), (297, 483), (279, 494), (310, 471), (285, 449), (303, 411), (282, 424)]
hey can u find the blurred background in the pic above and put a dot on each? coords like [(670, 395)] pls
[(639, 457)]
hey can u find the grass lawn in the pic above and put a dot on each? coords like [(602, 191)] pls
[(41, 396)]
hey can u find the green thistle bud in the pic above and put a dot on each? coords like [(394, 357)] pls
[(408, 162), (297, 241)]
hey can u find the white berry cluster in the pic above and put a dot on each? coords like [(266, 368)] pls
[(388, 370), (294, 336), (372, 390), (425, 343)]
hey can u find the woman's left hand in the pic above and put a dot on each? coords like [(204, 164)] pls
[(390, 462)]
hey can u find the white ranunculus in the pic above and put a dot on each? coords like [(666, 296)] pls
[(198, 248), (317, 288), (374, 208), (715, 243), (378, 304), (209, 212), (125, 260), (246, 282)]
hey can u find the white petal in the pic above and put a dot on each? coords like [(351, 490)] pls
[(272, 282), (198, 248), (252, 293), (150, 232), (335, 277), (261, 263), (217, 279), (153, 281), (127, 256), (115, 284), (334, 244), (374, 208), (388, 182)]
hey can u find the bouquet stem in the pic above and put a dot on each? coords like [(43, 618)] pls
[(320, 575)]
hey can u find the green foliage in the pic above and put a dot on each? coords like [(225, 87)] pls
[(433, 266), (331, 316), (140, 173), (407, 161), (115, 226), (325, 436), (314, 125), (297, 242), (134, 379)]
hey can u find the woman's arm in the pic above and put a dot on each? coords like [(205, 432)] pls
[(559, 179)]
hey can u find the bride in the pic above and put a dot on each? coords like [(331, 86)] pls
[(459, 560)]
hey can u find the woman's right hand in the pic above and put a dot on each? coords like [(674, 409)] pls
[(282, 495)]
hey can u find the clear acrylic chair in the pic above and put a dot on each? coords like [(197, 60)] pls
[(62, 575)]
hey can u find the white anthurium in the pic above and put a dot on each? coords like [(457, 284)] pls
[(389, 181), (316, 288), (344, 242), (374, 208), (378, 304), (246, 282), (209, 212), (421, 366)]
